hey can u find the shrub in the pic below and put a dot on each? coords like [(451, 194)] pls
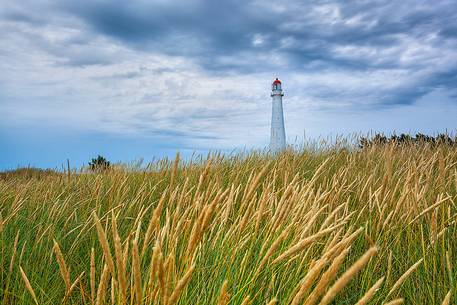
[(406, 139), (27, 173), (99, 164)]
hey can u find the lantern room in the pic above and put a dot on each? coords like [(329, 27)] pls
[(276, 85)]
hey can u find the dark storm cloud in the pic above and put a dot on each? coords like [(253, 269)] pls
[(245, 37), (208, 31), (190, 28)]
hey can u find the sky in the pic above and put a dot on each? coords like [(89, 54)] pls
[(145, 79)]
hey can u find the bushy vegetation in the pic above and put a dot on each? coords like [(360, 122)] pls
[(99, 164), (406, 139), (371, 226), (28, 173)]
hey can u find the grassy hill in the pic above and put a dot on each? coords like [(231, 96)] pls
[(367, 226)]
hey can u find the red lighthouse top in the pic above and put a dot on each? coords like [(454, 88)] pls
[(276, 85)]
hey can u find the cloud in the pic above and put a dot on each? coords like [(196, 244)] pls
[(197, 72)]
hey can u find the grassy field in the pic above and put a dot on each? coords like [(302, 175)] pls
[(372, 226)]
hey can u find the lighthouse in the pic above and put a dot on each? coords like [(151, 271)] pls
[(278, 132)]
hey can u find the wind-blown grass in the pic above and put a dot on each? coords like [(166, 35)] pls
[(337, 226)]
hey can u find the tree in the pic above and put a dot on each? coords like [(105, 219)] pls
[(99, 164)]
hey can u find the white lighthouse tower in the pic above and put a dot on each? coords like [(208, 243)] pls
[(278, 133)]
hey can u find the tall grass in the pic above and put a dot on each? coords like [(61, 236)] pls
[(372, 226)]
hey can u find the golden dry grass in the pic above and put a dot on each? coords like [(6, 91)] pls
[(335, 226)]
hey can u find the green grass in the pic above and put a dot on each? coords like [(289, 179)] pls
[(236, 208)]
